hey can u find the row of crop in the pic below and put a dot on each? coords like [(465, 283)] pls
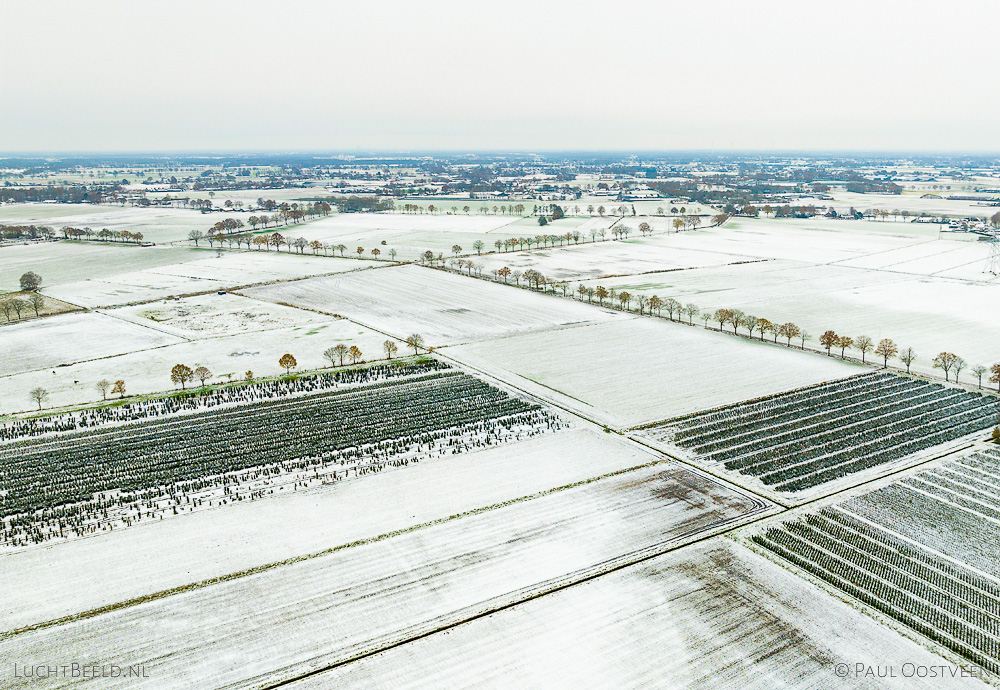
[(897, 596), (956, 495), (863, 412), (920, 516), (834, 434), (165, 452), (173, 443), (738, 412), (244, 393), (875, 433), (841, 465), (883, 537), (192, 422), (978, 483), (695, 419), (802, 410), (104, 511), (884, 557)]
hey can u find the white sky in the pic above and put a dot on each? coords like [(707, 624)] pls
[(518, 74)]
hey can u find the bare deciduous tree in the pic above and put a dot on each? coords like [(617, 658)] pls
[(979, 370), (102, 387), (907, 357), (863, 343), (39, 395), (202, 374), (390, 348), (416, 341)]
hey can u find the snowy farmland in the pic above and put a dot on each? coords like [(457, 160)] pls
[(710, 615), (65, 339), (802, 439), (68, 262), (850, 301), (157, 224), (635, 371), (244, 535), (921, 550), (442, 307), (203, 272), (409, 234), (494, 558), (146, 369)]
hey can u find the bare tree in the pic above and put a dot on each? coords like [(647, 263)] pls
[(907, 357), (102, 387), (39, 395), (202, 374), (416, 341), (863, 343), (390, 348), (979, 370), (959, 365), (37, 302), (692, 310)]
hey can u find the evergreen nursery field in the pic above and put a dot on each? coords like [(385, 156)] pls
[(921, 550)]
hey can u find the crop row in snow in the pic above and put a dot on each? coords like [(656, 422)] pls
[(804, 438), (144, 460), (242, 394), (918, 566)]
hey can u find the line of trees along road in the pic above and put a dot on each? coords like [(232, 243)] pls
[(653, 305)]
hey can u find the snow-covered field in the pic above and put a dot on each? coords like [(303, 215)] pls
[(442, 307), (410, 234), (709, 615), (68, 338), (68, 262), (157, 224), (214, 315), (595, 259), (203, 272), (929, 313), (639, 370), (233, 538), (388, 590), (148, 370), (912, 202)]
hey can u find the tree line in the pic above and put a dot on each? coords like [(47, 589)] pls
[(182, 374), (653, 305)]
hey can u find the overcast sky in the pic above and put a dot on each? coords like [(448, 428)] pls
[(516, 75)]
